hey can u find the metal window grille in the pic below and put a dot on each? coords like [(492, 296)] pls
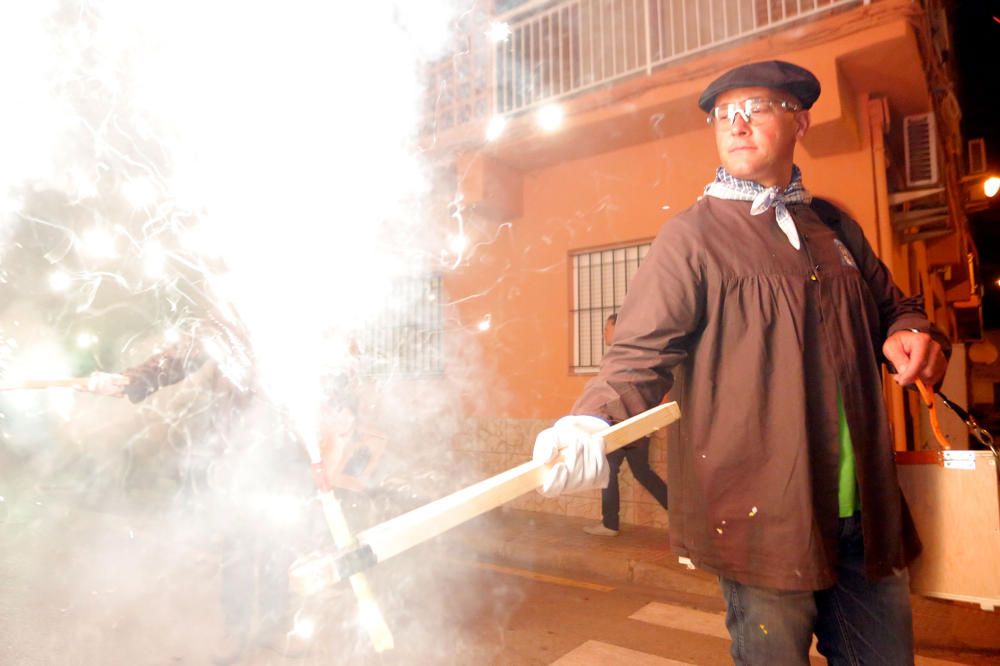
[(600, 281), (406, 339)]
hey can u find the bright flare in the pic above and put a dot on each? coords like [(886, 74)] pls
[(458, 243), (99, 243), (140, 193), (154, 260), (59, 281), (85, 340)]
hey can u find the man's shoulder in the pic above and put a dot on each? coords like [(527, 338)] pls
[(705, 219), (691, 220)]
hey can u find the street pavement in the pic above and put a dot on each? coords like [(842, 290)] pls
[(98, 583)]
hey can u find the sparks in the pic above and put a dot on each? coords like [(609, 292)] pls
[(305, 628), (59, 281)]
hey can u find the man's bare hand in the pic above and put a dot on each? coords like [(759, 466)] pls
[(915, 356)]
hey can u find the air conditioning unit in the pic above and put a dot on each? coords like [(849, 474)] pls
[(977, 157), (920, 145)]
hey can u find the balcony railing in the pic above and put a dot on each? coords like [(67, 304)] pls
[(558, 49)]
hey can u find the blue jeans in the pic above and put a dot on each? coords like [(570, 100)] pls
[(856, 622)]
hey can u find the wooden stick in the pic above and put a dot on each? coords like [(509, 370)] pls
[(394, 536), (68, 382), (368, 610)]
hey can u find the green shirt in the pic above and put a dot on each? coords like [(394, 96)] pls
[(847, 479)]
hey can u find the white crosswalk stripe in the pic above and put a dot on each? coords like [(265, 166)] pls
[(689, 619), (596, 653), (683, 618)]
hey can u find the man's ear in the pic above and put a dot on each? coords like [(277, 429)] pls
[(802, 122)]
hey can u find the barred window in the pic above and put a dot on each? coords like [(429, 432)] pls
[(600, 280), (407, 338)]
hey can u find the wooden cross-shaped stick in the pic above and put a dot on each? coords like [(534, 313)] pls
[(379, 543), (368, 610)]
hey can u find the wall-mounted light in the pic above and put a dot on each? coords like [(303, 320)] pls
[(991, 186), (978, 190), (495, 128), (550, 117), (498, 32)]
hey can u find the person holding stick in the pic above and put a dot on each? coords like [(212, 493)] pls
[(783, 480), (256, 474)]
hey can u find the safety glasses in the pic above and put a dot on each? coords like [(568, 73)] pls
[(755, 110)]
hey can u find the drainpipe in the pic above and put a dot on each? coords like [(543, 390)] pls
[(884, 248)]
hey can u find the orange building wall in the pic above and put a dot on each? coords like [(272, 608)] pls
[(520, 279)]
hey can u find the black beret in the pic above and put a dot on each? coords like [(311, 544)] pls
[(777, 74)]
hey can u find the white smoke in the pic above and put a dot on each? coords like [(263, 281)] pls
[(262, 154)]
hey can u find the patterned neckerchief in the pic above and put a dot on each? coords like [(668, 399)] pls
[(727, 186)]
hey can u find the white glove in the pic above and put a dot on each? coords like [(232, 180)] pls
[(583, 465), (107, 383)]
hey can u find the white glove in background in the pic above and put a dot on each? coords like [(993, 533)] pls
[(107, 383), (583, 465)]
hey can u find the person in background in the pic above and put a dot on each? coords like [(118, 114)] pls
[(637, 455), (782, 481), (258, 483)]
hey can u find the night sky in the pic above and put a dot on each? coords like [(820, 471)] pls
[(976, 43)]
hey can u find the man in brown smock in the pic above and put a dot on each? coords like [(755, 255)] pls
[(780, 315)]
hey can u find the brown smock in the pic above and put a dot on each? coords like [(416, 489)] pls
[(765, 334)]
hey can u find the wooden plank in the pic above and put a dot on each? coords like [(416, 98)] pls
[(29, 384), (379, 543), (403, 532), (596, 653)]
